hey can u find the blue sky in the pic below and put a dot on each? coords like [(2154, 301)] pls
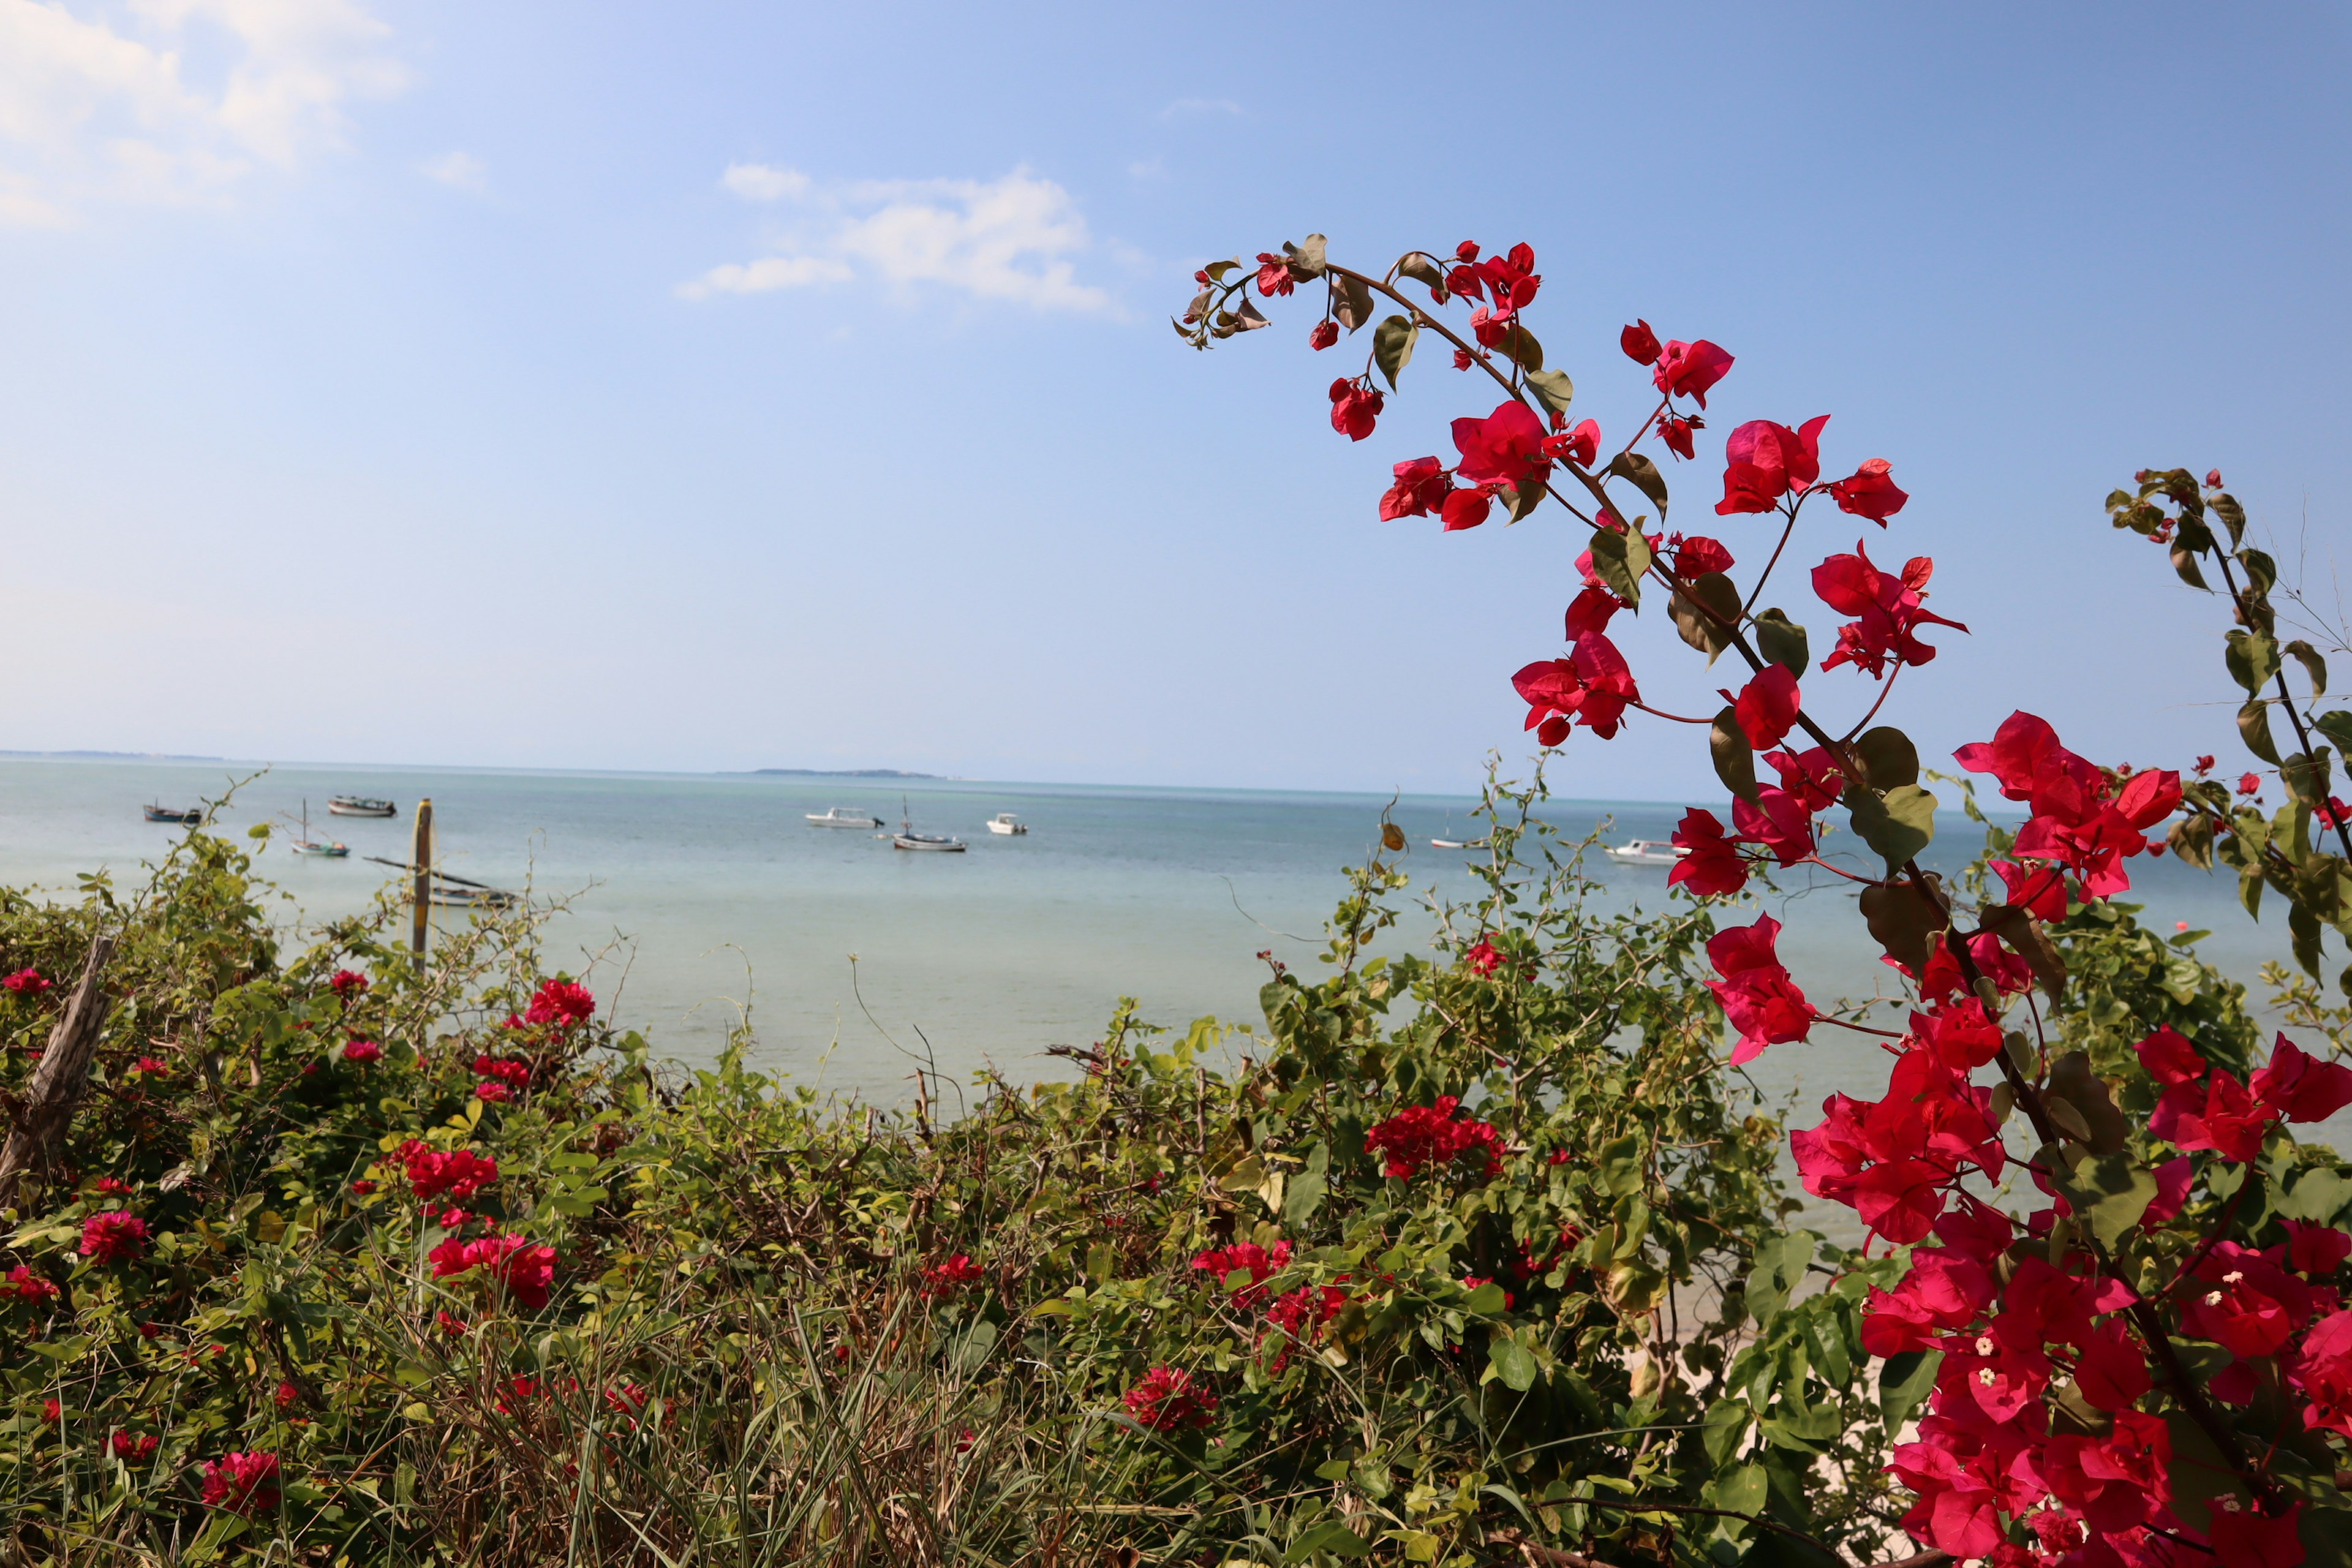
[(417, 384)]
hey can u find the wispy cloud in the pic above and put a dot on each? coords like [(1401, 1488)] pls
[(459, 171), (1013, 239), (96, 103), (1188, 106)]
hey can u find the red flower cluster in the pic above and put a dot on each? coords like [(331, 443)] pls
[(502, 1071), (562, 1004), (362, 1052), (150, 1067), (1483, 958), (434, 1173), (1591, 687), (133, 1448), (26, 982), (1168, 1400), (1423, 1137), (1355, 407), (1763, 1003), (347, 983), (952, 1278), (1887, 604), (2206, 1108), (116, 1236), (523, 1269), (241, 1483), (1223, 1263), (21, 1284), (2081, 821), (1687, 370)]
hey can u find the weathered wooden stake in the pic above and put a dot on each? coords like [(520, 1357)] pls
[(421, 860), (56, 1091)]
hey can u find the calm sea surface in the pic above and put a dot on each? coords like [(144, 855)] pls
[(713, 894)]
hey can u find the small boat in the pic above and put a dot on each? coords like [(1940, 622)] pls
[(171, 814), (1005, 821), (1646, 852), (361, 805), (448, 897), (842, 816), (907, 839), (330, 849), (1457, 844)]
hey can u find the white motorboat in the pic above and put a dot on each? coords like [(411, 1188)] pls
[(1646, 852), (907, 839), (360, 806), (1457, 844), (1005, 821), (842, 816)]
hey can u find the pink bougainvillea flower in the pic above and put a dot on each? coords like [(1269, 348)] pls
[(1696, 555), (1639, 343), (1273, 274), (1355, 408), (1425, 1137), (241, 1483), (506, 1069), (523, 1269), (1256, 1263), (2249, 783), (1676, 434), (1711, 866), (1889, 607), (26, 982), (116, 1236), (1326, 333), (2080, 819), (1756, 994), (1483, 958), (563, 1003), (1589, 611), (1767, 461), (362, 1052), (2038, 889), (1810, 776), (1767, 707), (1168, 1400), (286, 1395), (1506, 447), (492, 1092), (2169, 1058), (1421, 487), (1580, 446), (2243, 1538), (1591, 688), (2221, 1115), (2299, 1087), (1779, 821), (1869, 491), (2316, 1249), (1690, 370), (1467, 508), (151, 1066), (958, 1274), (21, 1284)]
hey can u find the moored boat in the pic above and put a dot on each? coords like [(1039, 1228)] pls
[(361, 805), (327, 849), (842, 816), (907, 839), (158, 812), (1646, 852), (1006, 822)]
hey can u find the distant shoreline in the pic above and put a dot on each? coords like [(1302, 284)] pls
[(841, 773)]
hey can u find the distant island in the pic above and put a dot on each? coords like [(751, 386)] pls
[(843, 774), (118, 756)]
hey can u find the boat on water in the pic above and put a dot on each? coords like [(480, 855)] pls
[(907, 839), (157, 813), (842, 816), (1457, 844), (1645, 852), (361, 805), (326, 849), (1005, 821)]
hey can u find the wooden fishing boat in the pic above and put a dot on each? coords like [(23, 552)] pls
[(907, 839), (361, 805), (326, 849)]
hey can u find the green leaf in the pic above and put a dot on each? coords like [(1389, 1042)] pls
[(2254, 729), (1620, 559), (1305, 1194), (1904, 920), (2184, 565), (1332, 1536), (2312, 665), (1739, 1490), (1691, 604), (1782, 641), (1514, 1363), (1779, 1265), (2337, 725), (2112, 1191), (1645, 475), (1898, 826), (2302, 934), (1306, 257), (1905, 1380), (2200, 1474), (1420, 266), (1723, 1428), (2320, 1194), (1521, 345), (1392, 343), (1352, 301), (1487, 1300), (2305, 773), (1621, 1166), (2252, 660), (1888, 758), (1552, 388), (1771, 1548)]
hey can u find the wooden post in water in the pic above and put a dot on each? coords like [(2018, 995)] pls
[(420, 860)]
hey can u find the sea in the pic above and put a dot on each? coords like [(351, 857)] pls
[(694, 903)]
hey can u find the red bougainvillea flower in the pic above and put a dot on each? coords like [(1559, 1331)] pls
[(151, 1066), (1696, 555), (1689, 370), (1421, 487), (362, 1052), (1168, 1400), (1273, 274), (1811, 776), (1591, 687), (241, 1483), (2244, 1539), (1484, 958), (457, 1173), (951, 1278), (1355, 408), (2321, 1369), (1221, 1264), (1639, 343), (21, 1284), (1506, 447), (113, 1186), (1467, 508), (491, 1091), (450, 1324), (1767, 706), (2220, 1114), (523, 1269), (1888, 605), (516, 1074), (2249, 783), (562, 1004), (1763, 1003), (27, 981), (1580, 446), (1676, 434), (2299, 1087), (2040, 890), (1425, 1137), (1870, 492), (2246, 1303), (1767, 461), (116, 1236), (1779, 821), (2316, 1250), (133, 1448), (286, 1395), (52, 1412), (2080, 819), (1710, 865), (360, 1189), (1326, 333), (347, 982)]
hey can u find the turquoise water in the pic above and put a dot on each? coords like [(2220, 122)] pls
[(694, 896)]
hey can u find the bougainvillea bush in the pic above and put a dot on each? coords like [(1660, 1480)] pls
[(2114, 1260)]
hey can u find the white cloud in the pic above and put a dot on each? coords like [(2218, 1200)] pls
[(97, 103), (460, 171), (760, 182), (1013, 239)]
